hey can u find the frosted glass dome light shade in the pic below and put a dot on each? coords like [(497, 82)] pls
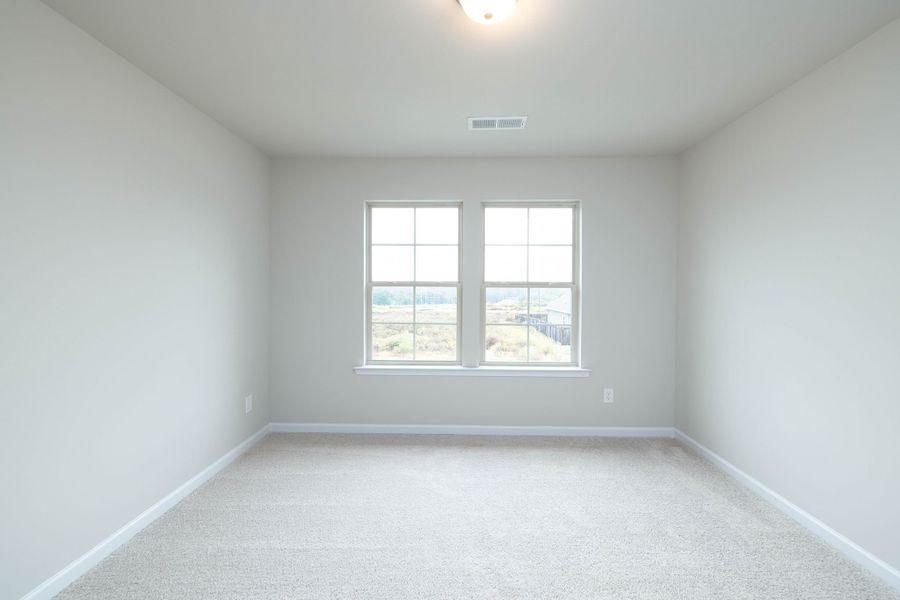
[(488, 12)]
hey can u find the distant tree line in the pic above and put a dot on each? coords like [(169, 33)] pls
[(404, 295)]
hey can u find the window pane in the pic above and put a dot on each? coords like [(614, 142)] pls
[(435, 305), (551, 305), (505, 225), (550, 343), (392, 263), (438, 225), (505, 305), (392, 342), (437, 263), (551, 319), (505, 263), (550, 263), (392, 305), (436, 342), (392, 225), (550, 226), (505, 343)]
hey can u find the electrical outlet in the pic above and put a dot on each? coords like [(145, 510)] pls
[(609, 395), (248, 404)]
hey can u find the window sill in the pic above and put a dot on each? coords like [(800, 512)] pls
[(457, 371)]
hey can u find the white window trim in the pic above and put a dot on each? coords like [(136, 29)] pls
[(475, 365), (484, 371), (458, 284), (574, 285)]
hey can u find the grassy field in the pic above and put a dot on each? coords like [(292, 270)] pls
[(392, 334), (395, 342), (506, 343)]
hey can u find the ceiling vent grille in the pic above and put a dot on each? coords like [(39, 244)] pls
[(496, 123)]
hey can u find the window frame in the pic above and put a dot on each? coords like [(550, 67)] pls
[(369, 360), (574, 285)]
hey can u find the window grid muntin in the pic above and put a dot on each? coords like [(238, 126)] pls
[(370, 284), (573, 284)]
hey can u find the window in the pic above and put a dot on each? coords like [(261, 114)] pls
[(529, 292), (530, 286), (413, 283)]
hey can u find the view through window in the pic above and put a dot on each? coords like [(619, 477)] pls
[(530, 284), (529, 296), (413, 283)]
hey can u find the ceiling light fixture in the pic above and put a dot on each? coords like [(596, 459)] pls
[(487, 12)]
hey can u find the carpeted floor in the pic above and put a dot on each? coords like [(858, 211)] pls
[(428, 517)]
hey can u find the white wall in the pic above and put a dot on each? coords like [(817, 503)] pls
[(629, 224), (789, 294), (133, 292), (133, 313)]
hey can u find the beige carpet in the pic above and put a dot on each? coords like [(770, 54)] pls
[(427, 517)]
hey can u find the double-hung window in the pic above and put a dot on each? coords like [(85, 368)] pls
[(529, 283), (530, 287), (413, 283)]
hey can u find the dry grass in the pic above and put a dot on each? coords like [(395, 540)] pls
[(503, 343)]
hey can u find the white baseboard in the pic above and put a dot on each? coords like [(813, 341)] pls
[(657, 432), (849, 548), (92, 557)]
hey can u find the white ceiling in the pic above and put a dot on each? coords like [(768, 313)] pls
[(399, 77)]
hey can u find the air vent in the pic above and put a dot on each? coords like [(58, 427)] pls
[(496, 123)]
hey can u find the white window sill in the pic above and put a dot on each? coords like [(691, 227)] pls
[(457, 371)]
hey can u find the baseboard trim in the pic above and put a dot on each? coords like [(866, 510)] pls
[(92, 557), (520, 430), (843, 544)]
